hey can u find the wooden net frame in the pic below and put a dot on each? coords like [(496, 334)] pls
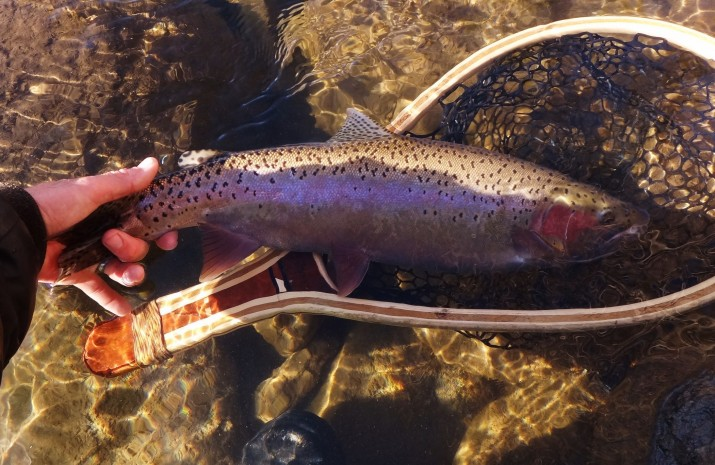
[(278, 282)]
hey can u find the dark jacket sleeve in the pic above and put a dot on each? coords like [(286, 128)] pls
[(23, 241)]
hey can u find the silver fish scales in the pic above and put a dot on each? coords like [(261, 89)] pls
[(369, 195)]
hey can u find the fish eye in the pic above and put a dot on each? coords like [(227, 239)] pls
[(607, 218)]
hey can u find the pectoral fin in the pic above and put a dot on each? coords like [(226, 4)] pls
[(223, 249), (529, 245)]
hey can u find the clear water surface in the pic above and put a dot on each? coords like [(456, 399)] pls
[(94, 85)]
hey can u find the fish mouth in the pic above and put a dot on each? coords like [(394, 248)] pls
[(610, 238), (638, 226), (614, 237)]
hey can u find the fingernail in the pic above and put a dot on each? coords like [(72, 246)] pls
[(121, 311), (113, 241), (133, 276), (146, 163)]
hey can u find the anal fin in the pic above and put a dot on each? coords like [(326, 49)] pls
[(222, 250)]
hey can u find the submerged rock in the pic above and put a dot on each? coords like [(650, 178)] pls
[(296, 438), (685, 428)]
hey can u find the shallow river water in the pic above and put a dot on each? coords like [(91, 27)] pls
[(89, 86)]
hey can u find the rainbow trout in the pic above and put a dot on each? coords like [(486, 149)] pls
[(369, 195)]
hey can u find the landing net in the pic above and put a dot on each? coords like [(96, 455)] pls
[(633, 117)]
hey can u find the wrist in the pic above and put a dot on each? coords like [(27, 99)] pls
[(29, 212)]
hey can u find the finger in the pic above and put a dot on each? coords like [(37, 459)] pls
[(50, 270), (125, 247), (126, 274), (168, 241), (116, 184), (100, 292)]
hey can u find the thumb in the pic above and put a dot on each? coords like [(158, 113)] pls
[(117, 184)]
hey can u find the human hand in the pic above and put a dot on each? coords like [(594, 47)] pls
[(67, 202)]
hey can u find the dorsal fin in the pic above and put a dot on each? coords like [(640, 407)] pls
[(358, 126)]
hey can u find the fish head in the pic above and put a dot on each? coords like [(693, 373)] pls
[(582, 230)]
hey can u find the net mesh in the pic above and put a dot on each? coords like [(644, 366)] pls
[(633, 117), (603, 110)]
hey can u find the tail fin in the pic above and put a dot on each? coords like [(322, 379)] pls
[(83, 242)]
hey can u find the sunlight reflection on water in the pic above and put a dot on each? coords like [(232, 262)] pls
[(96, 85)]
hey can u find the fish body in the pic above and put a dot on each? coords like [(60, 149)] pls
[(369, 195)]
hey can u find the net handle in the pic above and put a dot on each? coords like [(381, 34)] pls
[(688, 39)]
